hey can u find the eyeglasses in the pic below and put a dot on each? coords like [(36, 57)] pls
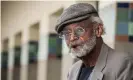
[(78, 31)]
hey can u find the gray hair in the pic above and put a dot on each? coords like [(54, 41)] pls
[(95, 19)]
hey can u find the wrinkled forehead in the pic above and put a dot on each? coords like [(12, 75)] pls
[(71, 26), (83, 24)]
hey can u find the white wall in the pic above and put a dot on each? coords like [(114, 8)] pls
[(107, 12), (34, 32), (16, 15), (18, 39)]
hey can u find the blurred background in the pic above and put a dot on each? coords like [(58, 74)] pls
[(30, 47)]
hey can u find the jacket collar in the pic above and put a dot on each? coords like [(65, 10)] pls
[(100, 64)]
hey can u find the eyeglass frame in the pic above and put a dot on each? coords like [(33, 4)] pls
[(74, 32)]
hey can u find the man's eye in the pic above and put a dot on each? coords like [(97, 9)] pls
[(80, 30)]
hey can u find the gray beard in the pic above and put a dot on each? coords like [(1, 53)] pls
[(85, 49)]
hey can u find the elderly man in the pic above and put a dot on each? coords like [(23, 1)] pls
[(81, 27)]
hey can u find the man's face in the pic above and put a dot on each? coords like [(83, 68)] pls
[(80, 38)]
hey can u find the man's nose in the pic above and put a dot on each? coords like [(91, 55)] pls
[(73, 37)]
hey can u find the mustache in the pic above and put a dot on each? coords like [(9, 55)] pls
[(78, 42)]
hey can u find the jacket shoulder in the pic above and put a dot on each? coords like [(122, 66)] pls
[(76, 65), (119, 55), (121, 64), (74, 69)]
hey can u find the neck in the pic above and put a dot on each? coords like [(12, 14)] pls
[(91, 58)]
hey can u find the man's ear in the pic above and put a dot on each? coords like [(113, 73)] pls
[(99, 30)]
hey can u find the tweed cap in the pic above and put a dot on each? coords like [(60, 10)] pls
[(74, 13)]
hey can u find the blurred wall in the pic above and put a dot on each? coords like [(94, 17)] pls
[(107, 12), (19, 16)]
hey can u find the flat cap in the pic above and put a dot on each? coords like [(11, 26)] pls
[(74, 13)]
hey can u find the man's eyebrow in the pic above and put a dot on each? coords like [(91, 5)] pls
[(82, 24), (66, 28), (85, 23)]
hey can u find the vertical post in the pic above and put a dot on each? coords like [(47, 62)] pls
[(43, 48), (11, 58), (24, 54), (97, 5)]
